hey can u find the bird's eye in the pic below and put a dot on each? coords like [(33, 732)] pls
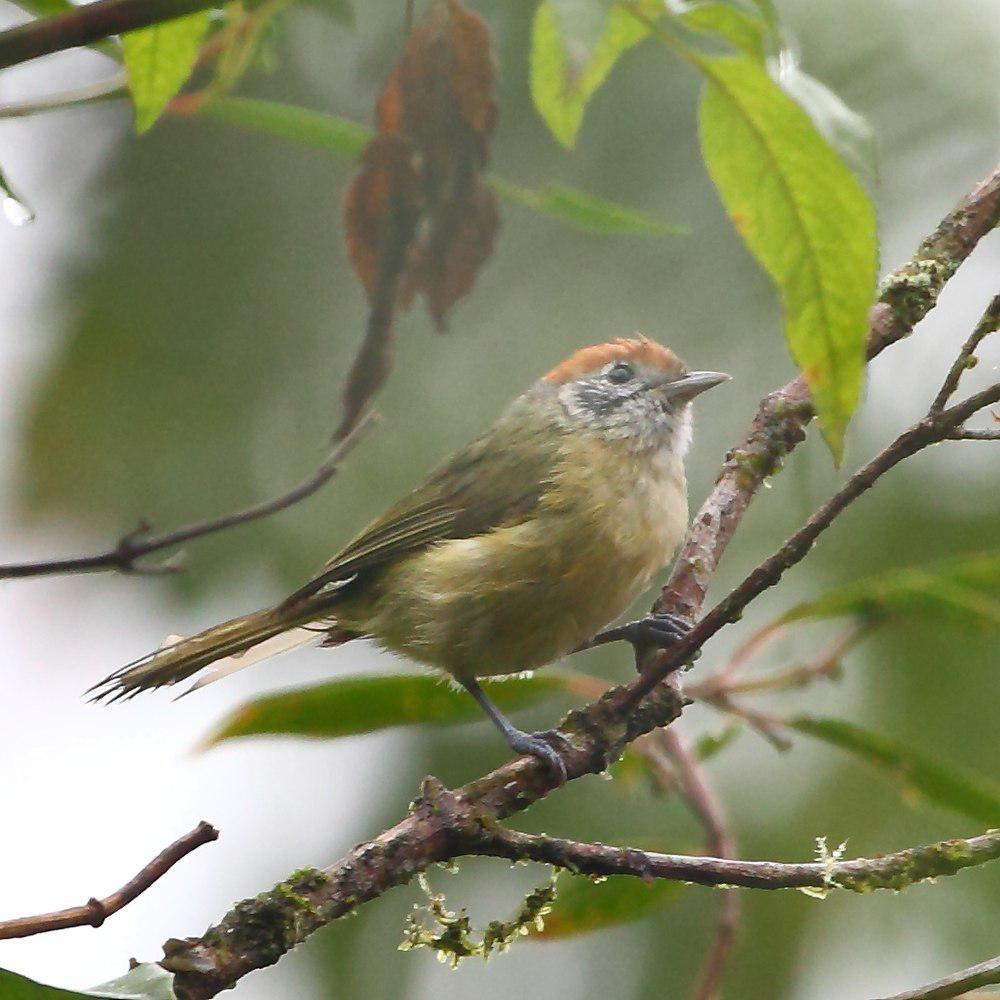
[(621, 373)]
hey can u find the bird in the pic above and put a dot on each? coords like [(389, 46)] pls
[(519, 549)]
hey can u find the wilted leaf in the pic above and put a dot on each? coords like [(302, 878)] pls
[(582, 905), (585, 211), (419, 216), (159, 60), (145, 982), (563, 81), (971, 795), (806, 219), (964, 590), (354, 705)]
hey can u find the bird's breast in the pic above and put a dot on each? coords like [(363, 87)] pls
[(522, 595)]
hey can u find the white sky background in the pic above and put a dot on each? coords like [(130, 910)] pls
[(89, 794)]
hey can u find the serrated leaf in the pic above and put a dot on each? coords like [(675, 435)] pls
[(340, 135), (585, 211), (964, 590), (807, 220), (145, 982), (352, 705), (582, 905), (563, 81), (159, 60), (973, 796)]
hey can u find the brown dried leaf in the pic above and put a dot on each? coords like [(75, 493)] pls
[(419, 218)]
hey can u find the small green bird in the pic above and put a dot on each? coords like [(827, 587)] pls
[(515, 552)]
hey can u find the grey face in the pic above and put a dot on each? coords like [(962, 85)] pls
[(645, 406)]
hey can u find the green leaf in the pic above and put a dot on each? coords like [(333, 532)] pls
[(365, 704), (340, 135), (159, 60), (585, 211), (964, 590), (804, 217), (582, 905), (145, 982), (849, 133), (563, 78), (973, 796), (746, 33), (285, 121)]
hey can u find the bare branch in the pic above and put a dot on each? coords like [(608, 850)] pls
[(706, 805), (95, 911), (989, 323), (963, 434), (956, 985), (88, 24), (139, 543)]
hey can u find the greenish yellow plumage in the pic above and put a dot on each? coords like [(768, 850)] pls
[(516, 551)]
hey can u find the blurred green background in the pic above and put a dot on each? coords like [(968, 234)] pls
[(181, 353)]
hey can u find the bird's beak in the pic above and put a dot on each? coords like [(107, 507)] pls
[(693, 384)]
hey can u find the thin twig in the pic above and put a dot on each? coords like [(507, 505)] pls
[(103, 90), (139, 543), (95, 911), (87, 24), (707, 806), (956, 985), (989, 323), (890, 871)]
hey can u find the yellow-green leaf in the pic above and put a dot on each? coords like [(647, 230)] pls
[(739, 28), (971, 795), (564, 79), (159, 60), (964, 590), (807, 220), (364, 704)]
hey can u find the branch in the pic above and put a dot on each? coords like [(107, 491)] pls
[(907, 296), (95, 911), (989, 323), (139, 543), (956, 985), (88, 24), (935, 427), (889, 871), (701, 796), (442, 825)]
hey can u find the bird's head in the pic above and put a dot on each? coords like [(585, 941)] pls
[(635, 391)]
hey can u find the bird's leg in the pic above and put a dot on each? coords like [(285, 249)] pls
[(520, 742), (656, 630)]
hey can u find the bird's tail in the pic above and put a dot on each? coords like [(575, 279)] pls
[(231, 646)]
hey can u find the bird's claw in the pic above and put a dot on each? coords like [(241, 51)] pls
[(660, 630), (538, 745)]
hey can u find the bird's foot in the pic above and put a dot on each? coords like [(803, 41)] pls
[(658, 631), (539, 745)]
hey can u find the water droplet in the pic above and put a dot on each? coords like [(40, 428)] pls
[(17, 213)]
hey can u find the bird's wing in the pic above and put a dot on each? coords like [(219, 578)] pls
[(484, 486)]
